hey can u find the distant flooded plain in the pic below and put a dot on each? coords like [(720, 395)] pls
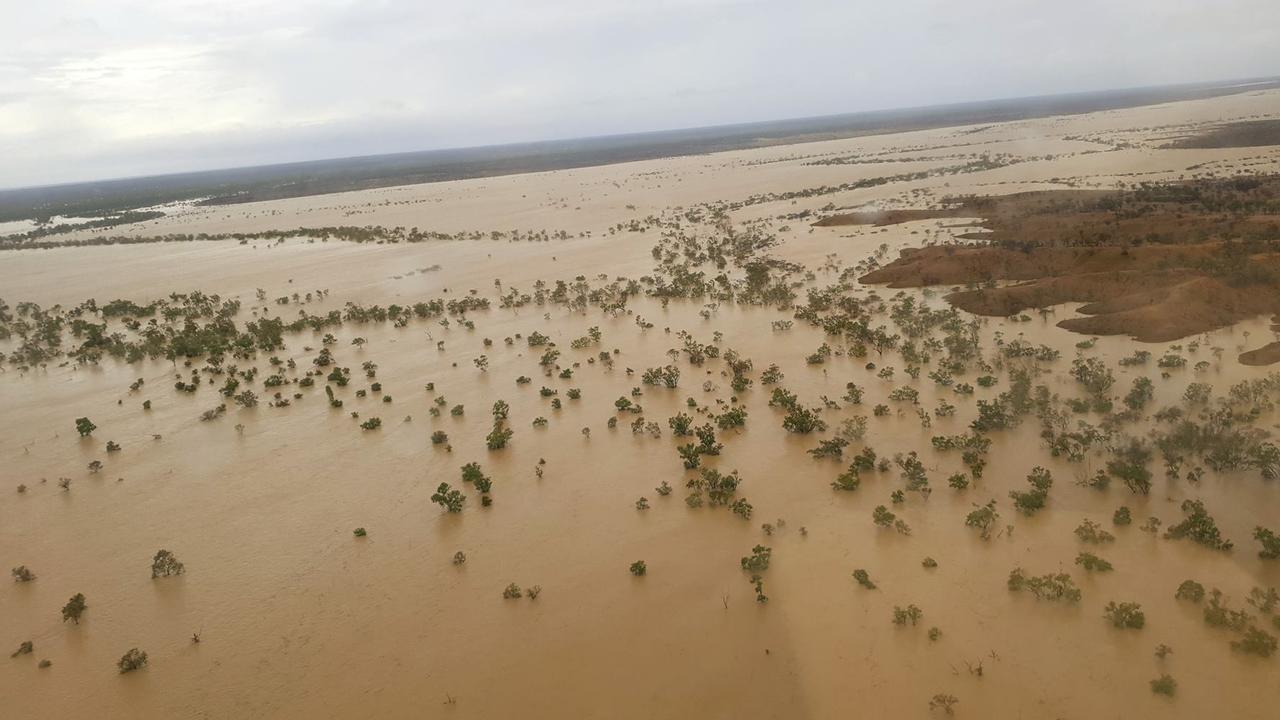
[(299, 616)]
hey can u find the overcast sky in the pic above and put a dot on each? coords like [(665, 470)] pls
[(109, 88)]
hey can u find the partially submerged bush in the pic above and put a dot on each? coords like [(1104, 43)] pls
[(1255, 642), (758, 560), (166, 564), (1164, 685), (472, 473), (1218, 614), (984, 518), (448, 498), (849, 480), (803, 420), (1032, 500), (1092, 562), (74, 608), (1198, 526), (135, 659), (944, 702), (1125, 615), (911, 614), (883, 518), (1270, 543), (1053, 586), (1091, 532), (1190, 590)]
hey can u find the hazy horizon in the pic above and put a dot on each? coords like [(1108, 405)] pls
[(142, 88)]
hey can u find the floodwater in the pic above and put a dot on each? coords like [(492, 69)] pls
[(299, 619)]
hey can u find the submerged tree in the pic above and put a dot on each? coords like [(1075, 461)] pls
[(803, 420), (135, 659), (85, 426), (74, 608), (1091, 532), (499, 436), (1032, 500), (984, 518), (1125, 615), (758, 560), (911, 614), (164, 563), (1053, 586), (1092, 562), (1164, 685), (944, 702), (1190, 590), (448, 498), (1270, 543), (1198, 526)]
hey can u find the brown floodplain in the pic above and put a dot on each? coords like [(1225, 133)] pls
[(1252, 133), (1157, 262), (702, 471)]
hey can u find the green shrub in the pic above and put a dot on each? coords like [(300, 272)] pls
[(1255, 642), (1053, 586), (1190, 590), (1270, 543), (1091, 532), (135, 659), (166, 564), (74, 608), (1092, 562), (1164, 685), (758, 560), (448, 498), (1199, 527), (984, 518), (1125, 615), (911, 614)]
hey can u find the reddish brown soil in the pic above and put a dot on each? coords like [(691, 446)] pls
[(1255, 133), (1157, 263), (1265, 355)]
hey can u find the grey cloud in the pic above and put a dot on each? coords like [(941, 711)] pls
[(92, 89)]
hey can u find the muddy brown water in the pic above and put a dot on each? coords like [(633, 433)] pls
[(299, 619)]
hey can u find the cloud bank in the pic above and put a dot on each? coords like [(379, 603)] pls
[(110, 88)]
